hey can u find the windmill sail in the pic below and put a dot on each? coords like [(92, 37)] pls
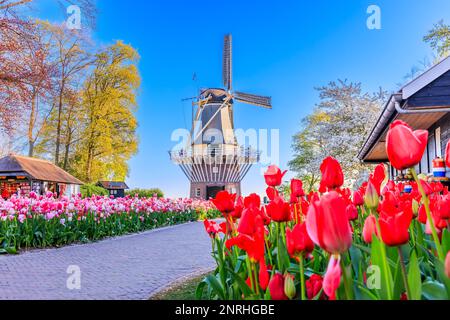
[(260, 101), (227, 62)]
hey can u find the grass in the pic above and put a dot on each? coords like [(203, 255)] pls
[(184, 290)]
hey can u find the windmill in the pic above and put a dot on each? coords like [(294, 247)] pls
[(213, 161)]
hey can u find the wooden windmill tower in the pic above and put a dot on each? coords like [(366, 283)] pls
[(214, 161)]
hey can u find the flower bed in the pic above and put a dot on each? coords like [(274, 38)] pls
[(39, 222), (380, 242)]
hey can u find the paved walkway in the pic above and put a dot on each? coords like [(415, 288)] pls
[(130, 267)]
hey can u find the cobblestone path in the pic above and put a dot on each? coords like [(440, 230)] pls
[(130, 267)]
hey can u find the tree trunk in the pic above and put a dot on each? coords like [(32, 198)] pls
[(67, 150), (58, 125), (31, 124)]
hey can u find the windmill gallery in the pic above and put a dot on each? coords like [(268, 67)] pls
[(214, 161)]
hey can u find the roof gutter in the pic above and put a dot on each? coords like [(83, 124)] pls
[(402, 110), (393, 106), (380, 126)]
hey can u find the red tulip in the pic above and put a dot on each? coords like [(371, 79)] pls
[(313, 286), (332, 279), (251, 222), (298, 241), (370, 228), (263, 275), (332, 176), (328, 225), (279, 210), (293, 199), (358, 199), (377, 177), (272, 193), (447, 155), (254, 246), (447, 265), (238, 208), (352, 212), (405, 147), (442, 207), (276, 288), (297, 188), (274, 176), (394, 226), (224, 202), (212, 228), (252, 200)]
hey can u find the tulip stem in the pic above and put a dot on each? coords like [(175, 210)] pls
[(250, 274), (295, 213), (278, 226), (302, 277), (384, 261), (266, 240), (426, 203), (256, 280), (404, 274), (348, 289)]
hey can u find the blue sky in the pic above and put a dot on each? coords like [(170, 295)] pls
[(281, 48)]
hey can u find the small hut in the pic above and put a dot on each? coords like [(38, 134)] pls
[(21, 175), (424, 103), (115, 188)]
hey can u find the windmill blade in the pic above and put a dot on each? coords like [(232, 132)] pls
[(260, 101), (227, 62)]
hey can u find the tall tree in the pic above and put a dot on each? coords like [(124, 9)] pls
[(338, 127), (70, 60), (439, 39), (109, 122)]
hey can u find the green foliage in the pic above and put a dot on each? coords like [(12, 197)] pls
[(108, 123), (439, 39), (145, 193), (88, 190)]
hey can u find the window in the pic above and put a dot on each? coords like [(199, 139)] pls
[(198, 192)]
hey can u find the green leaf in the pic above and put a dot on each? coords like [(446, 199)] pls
[(364, 294), (440, 269), (356, 257), (446, 240), (433, 290), (199, 291), (379, 259), (241, 283), (399, 286), (414, 278), (216, 286)]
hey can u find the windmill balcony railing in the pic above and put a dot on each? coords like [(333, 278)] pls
[(218, 153)]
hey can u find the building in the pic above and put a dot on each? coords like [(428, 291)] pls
[(424, 103), (213, 160), (115, 188), (22, 175)]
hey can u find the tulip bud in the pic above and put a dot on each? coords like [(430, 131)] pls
[(415, 207), (371, 198), (289, 286)]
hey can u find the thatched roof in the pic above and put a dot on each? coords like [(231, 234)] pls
[(36, 169)]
